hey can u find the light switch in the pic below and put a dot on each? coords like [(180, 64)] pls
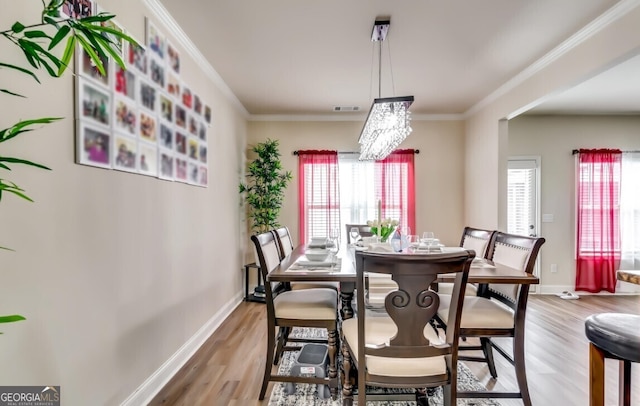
[(547, 218)]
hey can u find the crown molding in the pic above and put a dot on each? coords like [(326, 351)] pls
[(163, 16), (350, 117), (614, 13)]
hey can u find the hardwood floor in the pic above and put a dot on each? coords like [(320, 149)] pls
[(228, 368)]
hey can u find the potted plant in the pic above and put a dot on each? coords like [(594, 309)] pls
[(38, 42), (265, 187)]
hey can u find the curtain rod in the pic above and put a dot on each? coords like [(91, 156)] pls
[(577, 151), (415, 151)]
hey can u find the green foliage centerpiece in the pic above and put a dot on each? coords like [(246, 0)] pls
[(265, 186), (39, 45)]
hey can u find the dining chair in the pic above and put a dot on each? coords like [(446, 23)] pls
[(363, 229), (402, 349), (499, 309), (316, 308), (285, 247), (476, 239), (376, 285)]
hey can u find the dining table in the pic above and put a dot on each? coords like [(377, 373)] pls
[(342, 270)]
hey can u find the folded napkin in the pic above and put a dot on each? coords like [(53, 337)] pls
[(380, 247)]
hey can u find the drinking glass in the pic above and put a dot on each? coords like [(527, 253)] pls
[(427, 237), (354, 232), (334, 237)]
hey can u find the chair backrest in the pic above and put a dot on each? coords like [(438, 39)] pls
[(365, 231), (517, 252), (476, 239), (413, 305), (285, 243), (269, 259)]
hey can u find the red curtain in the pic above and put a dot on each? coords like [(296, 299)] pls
[(395, 187), (598, 247), (318, 193)]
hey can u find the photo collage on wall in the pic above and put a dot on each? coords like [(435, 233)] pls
[(145, 119)]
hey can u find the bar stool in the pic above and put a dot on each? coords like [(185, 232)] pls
[(616, 336)]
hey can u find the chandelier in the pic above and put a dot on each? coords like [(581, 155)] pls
[(389, 119)]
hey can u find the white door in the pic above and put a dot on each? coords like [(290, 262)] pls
[(523, 214)]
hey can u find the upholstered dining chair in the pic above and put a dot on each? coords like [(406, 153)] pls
[(476, 239), (499, 309), (402, 350), (285, 246), (317, 308)]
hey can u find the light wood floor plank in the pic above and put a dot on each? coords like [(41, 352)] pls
[(228, 368)]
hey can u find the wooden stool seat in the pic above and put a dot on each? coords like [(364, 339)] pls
[(616, 336)]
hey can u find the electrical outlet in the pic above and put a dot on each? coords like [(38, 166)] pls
[(554, 268)]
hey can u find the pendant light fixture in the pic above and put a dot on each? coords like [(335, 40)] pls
[(388, 121)]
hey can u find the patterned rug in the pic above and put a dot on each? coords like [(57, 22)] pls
[(307, 395)]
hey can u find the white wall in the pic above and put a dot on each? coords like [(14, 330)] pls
[(611, 41), (113, 271), (438, 166), (553, 138)]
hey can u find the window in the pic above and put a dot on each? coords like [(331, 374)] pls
[(329, 201), (630, 211)]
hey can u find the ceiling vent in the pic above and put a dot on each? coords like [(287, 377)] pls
[(346, 108)]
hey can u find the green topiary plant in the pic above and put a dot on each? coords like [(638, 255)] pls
[(264, 189), (38, 42)]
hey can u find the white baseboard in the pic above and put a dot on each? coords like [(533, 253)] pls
[(622, 289), (150, 387)]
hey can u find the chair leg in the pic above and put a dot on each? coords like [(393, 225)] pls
[(347, 387), (519, 363), (283, 335), (332, 340), (485, 342), (596, 376), (625, 383), (267, 365)]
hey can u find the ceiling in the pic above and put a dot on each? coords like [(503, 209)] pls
[(293, 58)]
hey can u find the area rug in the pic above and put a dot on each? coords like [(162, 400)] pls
[(307, 395)]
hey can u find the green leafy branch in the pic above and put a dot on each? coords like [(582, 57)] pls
[(264, 190), (38, 43)]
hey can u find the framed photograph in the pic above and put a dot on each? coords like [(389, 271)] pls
[(77, 9), (94, 103), (156, 71), (192, 172), (193, 149), (173, 85), (197, 104), (207, 114), (148, 159), (181, 116), (89, 69), (156, 42), (125, 82), (192, 124), (202, 153), (137, 58), (125, 153), (118, 42), (202, 131), (166, 107), (93, 146), (203, 171), (166, 135), (126, 116), (147, 95), (173, 58), (166, 164), (148, 127), (187, 97), (181, 169), (181, 143)]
